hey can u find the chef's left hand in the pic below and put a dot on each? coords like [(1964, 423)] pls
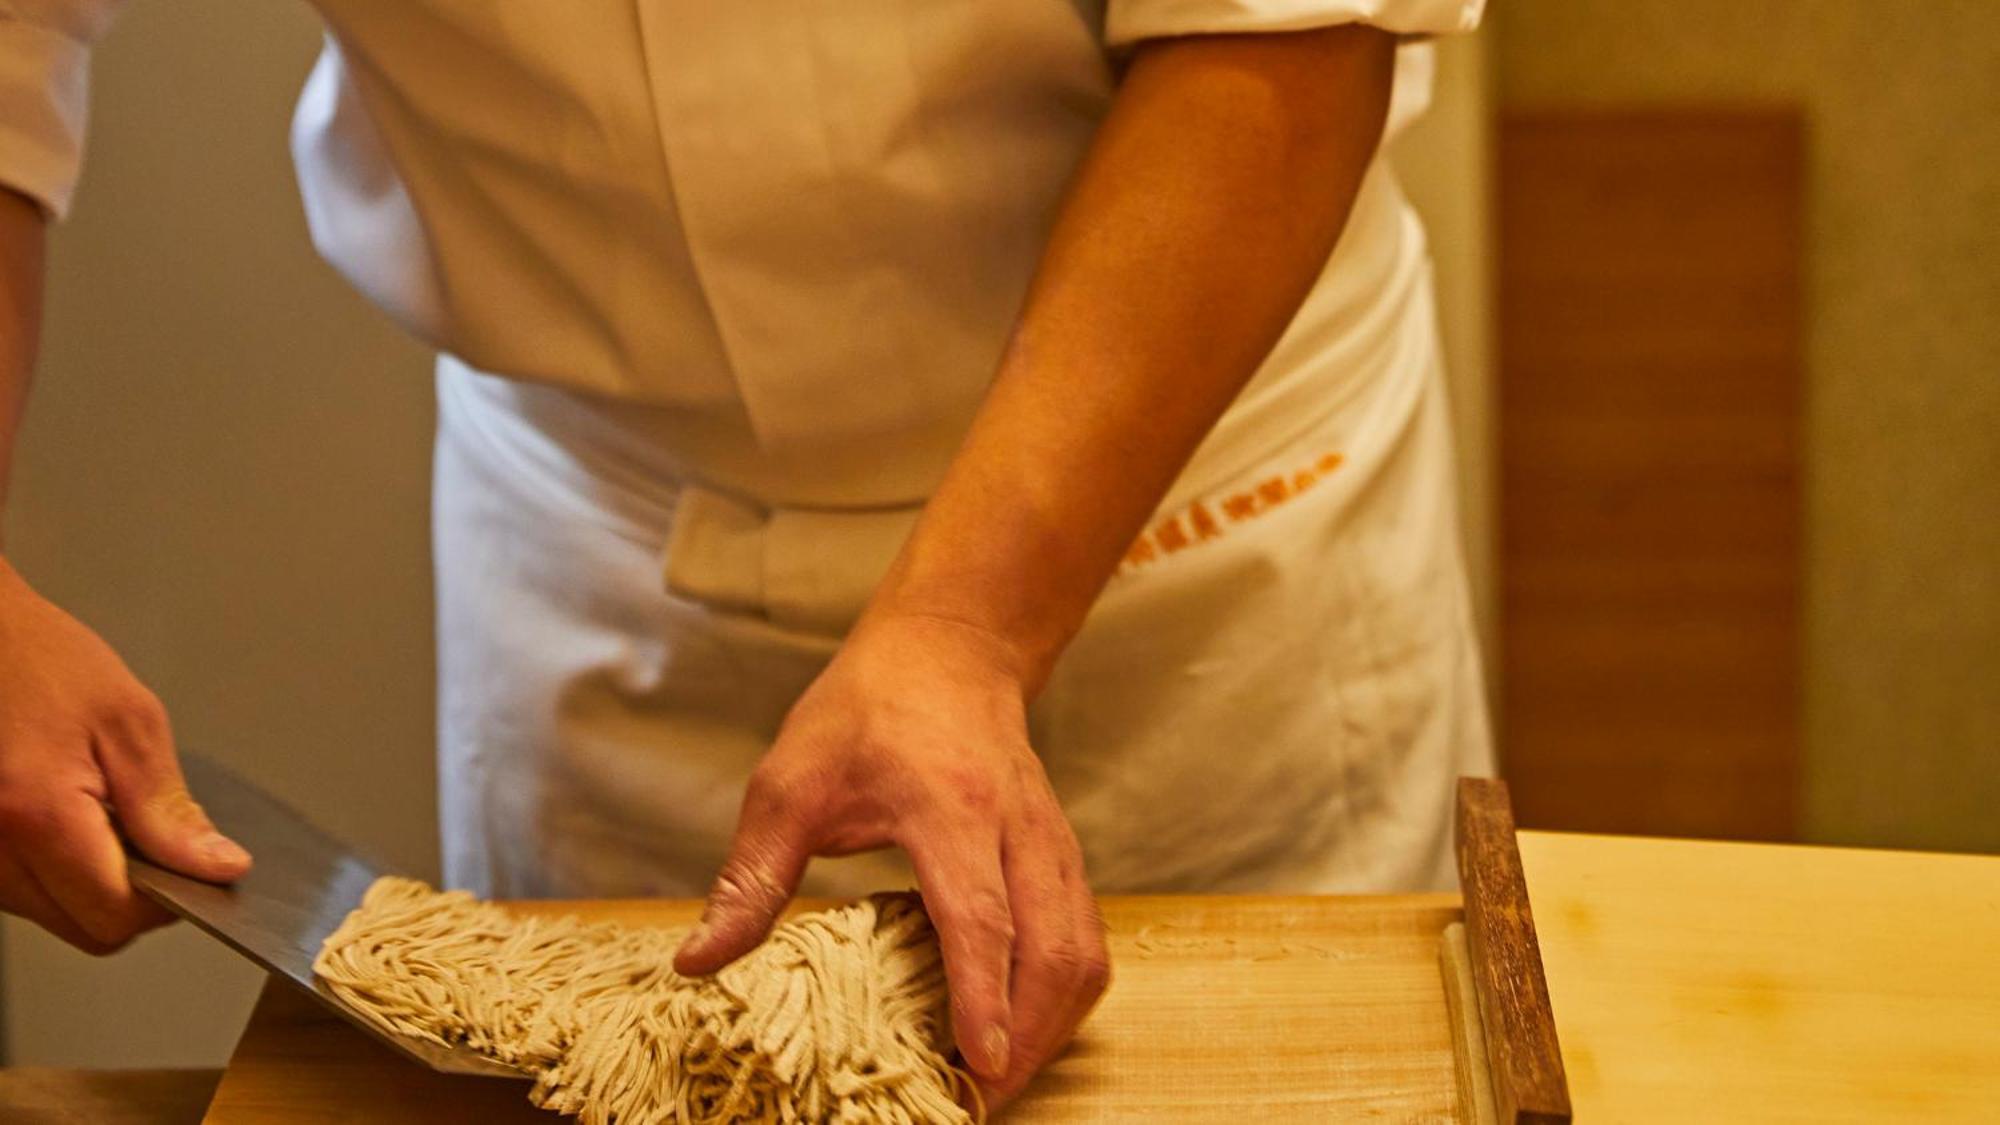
[(916, 736)]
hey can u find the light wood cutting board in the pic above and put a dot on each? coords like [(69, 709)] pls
[(1710, 982), (1231, 1009)]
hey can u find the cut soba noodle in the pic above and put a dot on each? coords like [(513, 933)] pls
[(840, 1016)]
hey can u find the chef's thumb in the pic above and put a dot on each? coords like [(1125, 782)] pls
[(757, 880), (162, 819)]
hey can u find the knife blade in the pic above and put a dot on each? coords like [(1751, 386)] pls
[(302, 884)]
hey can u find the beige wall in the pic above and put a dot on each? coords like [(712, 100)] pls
[(226, 473), (1902, 676)]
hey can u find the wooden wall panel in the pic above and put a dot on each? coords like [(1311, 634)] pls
[(1649, 407)]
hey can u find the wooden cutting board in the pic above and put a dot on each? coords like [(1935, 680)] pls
[(1223, 1008)]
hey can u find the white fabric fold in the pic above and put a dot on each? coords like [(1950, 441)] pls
[(1129, 21)]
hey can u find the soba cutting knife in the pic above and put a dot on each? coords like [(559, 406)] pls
[(302, 884)]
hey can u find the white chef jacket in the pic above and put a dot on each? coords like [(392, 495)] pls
[(740, 274)]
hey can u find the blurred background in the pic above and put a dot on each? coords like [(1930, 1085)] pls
[(1719, 281)]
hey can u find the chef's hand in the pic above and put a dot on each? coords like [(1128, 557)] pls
[(82, 741), (916, 736)]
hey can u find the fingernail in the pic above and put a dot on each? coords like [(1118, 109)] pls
[(222, 849), (995, 1042), (696, 938)]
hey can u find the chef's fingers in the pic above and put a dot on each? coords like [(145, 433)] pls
[(73, 852), (135, 749), (766, 861), (1060, 962), (21, 894), (958, 871)]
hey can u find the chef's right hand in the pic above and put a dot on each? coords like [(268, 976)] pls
[(916, 736), (81, 742)]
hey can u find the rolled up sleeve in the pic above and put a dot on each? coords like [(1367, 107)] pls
[(44, 94), (1128, 21)]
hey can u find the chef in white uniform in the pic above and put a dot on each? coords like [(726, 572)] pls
[(997, 439)]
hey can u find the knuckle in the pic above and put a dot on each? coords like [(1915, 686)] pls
[(1083, 956), (1051, 831), (970, 790), (96, 939), (149, 711), (113, 938), (1059, 958), (107, 933), (1062, 834), (1071, 960), (1030, 765), (986, 920), (176, 804), (104, 920), (743, 880), (139, 712), (97, 947), (1094, 970), (771, 794)]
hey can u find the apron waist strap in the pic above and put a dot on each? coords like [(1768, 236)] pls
[(803, 568)]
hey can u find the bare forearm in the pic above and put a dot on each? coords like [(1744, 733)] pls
[(21, 251), (1207, 205)]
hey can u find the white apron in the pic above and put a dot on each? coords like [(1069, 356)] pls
[(1274, 693)]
